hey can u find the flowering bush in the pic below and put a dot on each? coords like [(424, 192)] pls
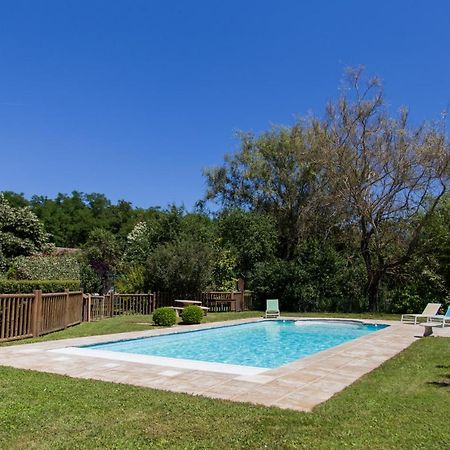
[(21, 232), (64, 267)]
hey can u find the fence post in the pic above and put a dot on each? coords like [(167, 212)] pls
[(239, 301), (89, 302), (36, 312), (67, 311)]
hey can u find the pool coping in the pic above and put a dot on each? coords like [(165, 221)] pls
[(299, 385)]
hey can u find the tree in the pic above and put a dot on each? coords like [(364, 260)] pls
[(101, 256), (182, 266), (387, 176), (250, 236), (356, 173), (277, 174), (21, 232)]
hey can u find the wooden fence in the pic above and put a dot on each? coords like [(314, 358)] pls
[(227, 301), (31, 315), (17, 316), (96, 307)]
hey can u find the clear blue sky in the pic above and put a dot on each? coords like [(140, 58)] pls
[(133, 98)]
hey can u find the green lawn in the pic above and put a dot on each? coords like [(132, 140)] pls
[(121, 324), (403, 404)]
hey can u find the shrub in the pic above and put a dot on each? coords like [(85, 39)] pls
[(181, 266), (192, 314), (131, 281), (38, 267), (164, 317), (28, 286)]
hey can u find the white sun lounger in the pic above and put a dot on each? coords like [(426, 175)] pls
[(430, 310), (441, 319)]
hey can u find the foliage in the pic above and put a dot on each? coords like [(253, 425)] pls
[(180, 266), (165, 317), (131, 280), (101, 254), (28, 286), (21, 232), (275, 173), (38, 267), (387, 176), (359, 172), (223, 276), (71, 218), (319, 279), (89, 279), (192, 314), (139, 243), (250, 236)]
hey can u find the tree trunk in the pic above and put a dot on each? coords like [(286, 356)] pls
[(373, 291)]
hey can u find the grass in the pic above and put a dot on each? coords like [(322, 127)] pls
[(402, 404), (122, 324)]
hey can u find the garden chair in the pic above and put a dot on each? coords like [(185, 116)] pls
[(430, 310), (444, 318), (272, 309)]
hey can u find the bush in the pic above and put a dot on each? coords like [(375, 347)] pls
[(64, 267), (131, 281), (28, 286), (192, 314), (164, 317), (181, 266), (318, 279)]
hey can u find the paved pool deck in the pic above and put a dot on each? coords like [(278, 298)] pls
[(300, 385)]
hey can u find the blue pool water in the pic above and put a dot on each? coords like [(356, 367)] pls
[(266, 344)]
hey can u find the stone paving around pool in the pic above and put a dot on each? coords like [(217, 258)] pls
[(300, 385)]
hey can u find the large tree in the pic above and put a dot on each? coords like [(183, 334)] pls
[(277, 174), (358, 173), (386, 175)]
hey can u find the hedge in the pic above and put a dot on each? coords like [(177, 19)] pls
[(28, 286), (63, 267)]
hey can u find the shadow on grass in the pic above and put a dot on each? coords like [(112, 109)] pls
[(443, 382)]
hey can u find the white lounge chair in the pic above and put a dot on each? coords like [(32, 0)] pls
[(430, 310), (441, 318), (272, 309)]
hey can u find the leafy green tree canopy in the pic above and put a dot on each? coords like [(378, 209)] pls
[(21, 232)]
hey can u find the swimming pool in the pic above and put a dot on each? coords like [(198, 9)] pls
[(263, 344)]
